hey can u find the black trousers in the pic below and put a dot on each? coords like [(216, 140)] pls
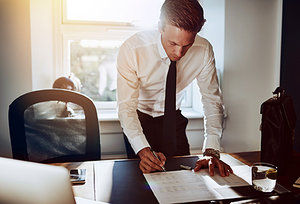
[(153, 130)]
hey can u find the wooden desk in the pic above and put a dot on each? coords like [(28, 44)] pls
[(123, 177)]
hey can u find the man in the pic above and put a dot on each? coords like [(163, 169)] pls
[(143, 65)]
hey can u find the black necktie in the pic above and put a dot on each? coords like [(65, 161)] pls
[(169, 130)]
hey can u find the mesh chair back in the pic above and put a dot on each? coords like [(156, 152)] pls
[(54, 125)]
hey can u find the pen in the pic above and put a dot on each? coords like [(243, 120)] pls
[(186, 167), (163, 168)]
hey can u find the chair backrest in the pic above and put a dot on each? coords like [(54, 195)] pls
[(42, 130)]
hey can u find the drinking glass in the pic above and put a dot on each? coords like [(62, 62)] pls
[(264, 176)]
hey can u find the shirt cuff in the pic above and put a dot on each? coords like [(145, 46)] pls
[(138, 143), (212, 142)]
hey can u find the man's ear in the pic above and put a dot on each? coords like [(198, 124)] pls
[(203, 22)]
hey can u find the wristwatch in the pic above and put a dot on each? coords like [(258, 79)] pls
[(212, 152)]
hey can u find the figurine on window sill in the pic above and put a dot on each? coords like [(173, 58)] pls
[(70, 83)]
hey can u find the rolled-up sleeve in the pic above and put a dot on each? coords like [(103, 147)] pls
[(127, 97), (212, 102)]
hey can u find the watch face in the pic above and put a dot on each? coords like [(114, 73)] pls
[(212, 152)]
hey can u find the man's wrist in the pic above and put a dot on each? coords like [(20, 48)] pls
[(212, 152), (143, 151)]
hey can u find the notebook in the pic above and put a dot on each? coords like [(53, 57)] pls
[(34, 183)]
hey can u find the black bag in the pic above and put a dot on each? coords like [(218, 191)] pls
[(277, 129)]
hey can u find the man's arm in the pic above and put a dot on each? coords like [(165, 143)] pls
[(213, 117), (127, 96), (212, 102), (128, 92)]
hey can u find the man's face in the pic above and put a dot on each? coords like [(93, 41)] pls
[(176, 41)]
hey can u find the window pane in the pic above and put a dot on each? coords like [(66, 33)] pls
[(92, 58), (120, 11), (94, 63)]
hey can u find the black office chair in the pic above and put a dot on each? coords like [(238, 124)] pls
[(41, 131)]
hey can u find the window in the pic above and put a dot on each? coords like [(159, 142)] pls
[(88, 35), (113, 12)]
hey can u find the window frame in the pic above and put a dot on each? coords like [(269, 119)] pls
[(66, 21), (65, 30)]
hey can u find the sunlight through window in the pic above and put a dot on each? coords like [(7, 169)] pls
[(135, 12), (92, 32)]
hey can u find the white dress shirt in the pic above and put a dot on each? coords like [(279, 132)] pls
[(142, 69)]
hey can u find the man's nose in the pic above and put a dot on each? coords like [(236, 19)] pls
[(179, 51)]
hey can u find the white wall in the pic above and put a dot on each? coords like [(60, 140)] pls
[(15, 60), (214, 29), (42, 46), (251, 68)]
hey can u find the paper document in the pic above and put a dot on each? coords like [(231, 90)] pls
[(189, 186)]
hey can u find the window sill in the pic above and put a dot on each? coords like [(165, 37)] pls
[(190, 113), (112, 115), (107, 115)]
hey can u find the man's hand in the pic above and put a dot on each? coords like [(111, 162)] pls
[(149, 162), (211, 162)]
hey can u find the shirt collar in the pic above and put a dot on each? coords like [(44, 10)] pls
[(161, 49)]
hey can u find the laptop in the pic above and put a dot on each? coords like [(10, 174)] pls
[(34, 183)]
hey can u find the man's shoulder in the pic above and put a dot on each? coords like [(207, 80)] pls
[(142, 38), (201, 42)]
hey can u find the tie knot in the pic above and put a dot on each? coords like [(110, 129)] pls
[(172, 65)]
